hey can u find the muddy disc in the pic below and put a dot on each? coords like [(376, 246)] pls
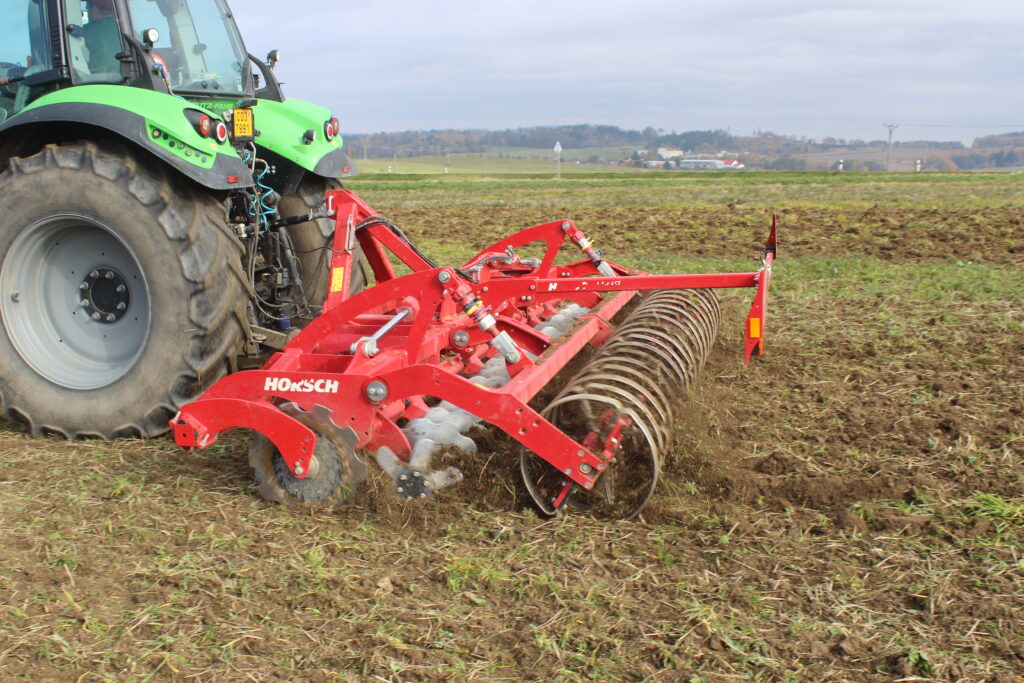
[(335, 470)]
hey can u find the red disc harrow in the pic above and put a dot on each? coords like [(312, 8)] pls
[(409, 366)]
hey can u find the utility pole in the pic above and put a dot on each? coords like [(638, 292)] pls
[(888, 150)]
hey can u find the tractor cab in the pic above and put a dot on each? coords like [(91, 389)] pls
[(187, 47)]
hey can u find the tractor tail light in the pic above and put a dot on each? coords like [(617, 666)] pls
[(205, 126), (331, 129), (220, 132)]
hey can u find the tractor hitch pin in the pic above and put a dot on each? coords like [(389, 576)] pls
[(369, 344), (584, 243)]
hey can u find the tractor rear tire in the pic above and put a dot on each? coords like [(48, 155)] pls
[(121, 291), (313, 240)]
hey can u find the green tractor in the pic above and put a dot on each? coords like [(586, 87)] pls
[(161, 218)]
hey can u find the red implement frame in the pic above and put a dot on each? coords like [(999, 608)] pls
[(370, 359)]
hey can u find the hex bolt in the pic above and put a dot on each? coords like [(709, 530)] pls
[(402, 477), (96, 316), (111, 317), (121, 289), (486, 289), (121, 306), (444, 276), (298, 469), (568, 471), (400, 489), (580, 453), (376, 391), (565, 226), (109, 275), (586, 469), (589, 485), (95, 274), (602, 467), (84, 302), (84, 286), (460, 338)]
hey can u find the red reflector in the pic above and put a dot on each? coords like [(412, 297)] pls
[(346, 169), (232, 179)]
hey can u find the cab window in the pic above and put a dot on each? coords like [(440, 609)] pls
[(24, 51), (94, 41), (199, 44)]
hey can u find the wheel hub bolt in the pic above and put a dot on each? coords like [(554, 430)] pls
[(105, 295)]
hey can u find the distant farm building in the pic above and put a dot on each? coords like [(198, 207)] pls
[(705, 164)]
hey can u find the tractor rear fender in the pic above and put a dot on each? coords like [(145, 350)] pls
[(151, 121), (285, 129)]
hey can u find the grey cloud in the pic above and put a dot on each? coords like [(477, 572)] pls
[(795, 67)]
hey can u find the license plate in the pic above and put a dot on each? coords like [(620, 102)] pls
[(242, 125)]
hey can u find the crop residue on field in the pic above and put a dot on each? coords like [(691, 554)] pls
[(849, 507)]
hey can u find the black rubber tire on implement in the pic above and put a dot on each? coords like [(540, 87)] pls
[(313, 240), (71, 214)]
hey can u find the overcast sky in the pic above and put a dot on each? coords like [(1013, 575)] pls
[(942, 69)]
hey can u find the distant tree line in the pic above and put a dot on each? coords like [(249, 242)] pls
[(970, 160), (999, 141), (762, 149)]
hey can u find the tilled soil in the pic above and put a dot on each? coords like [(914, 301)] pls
[(849, 507), (993, 235)]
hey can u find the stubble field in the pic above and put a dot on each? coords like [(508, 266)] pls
[(851, 507)]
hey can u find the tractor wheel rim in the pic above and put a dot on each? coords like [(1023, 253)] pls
[(75, 302)]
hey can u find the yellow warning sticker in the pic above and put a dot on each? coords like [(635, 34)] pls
[(337, 279)]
